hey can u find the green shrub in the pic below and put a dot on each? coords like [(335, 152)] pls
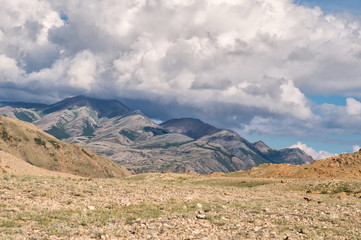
[(40, 142)]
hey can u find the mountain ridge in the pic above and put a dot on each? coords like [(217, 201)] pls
[(129, 138)]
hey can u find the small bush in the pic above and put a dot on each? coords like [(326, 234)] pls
[(40, 142), (86, 153), (54, 143)]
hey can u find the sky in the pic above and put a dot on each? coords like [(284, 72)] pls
[(282, 71)]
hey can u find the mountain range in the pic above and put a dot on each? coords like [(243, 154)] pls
[(111, 129)]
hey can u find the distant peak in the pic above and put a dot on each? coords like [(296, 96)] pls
[(260, 143), (83, 97), (191, 127), (190, 120), (261, 146), (105, 108)]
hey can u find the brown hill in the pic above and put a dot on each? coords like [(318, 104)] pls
[(25, 141), (342, 166)]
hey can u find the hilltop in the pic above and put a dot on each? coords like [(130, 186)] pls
[(344, 166)]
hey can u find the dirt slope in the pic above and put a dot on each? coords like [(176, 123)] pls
[(25, 141), (343, 166), (13, 165)]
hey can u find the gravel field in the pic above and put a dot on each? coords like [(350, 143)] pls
[(178, 206)]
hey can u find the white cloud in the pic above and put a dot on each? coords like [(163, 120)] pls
[(356, 148), (244, 59), (156, 121), (312, 152), (353, 106), (9, 71), (83, 70)]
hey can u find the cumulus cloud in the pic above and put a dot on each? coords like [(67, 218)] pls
[(316, 155), (9, 71), (356, 148), (247, 63), (353, 106)]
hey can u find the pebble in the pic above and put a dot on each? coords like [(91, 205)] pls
[(91, 207), (266, 212), (201, 216)]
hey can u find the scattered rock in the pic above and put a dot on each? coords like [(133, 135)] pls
[(201, 216), (308, 199), (196, 232), (91, 208), (304, 231)]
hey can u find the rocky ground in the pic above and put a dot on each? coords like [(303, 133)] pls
[(175, 206)]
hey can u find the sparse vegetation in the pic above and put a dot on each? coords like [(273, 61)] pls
[(131, 135), (40, 142), (86, 153), (5, 135), (88, 130), (58, 132), (54, 143), (24, 116), (224, 182), (333, 187), (155, 131), (174, 206)]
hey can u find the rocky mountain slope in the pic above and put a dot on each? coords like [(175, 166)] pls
[(27, 142), (252, 154), (129, 138), (342, 166)]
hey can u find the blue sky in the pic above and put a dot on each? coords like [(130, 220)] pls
[(339, 143), (335, 6), (331, 7), (280, 71)]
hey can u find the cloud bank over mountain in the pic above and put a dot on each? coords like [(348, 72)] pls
[(248, 64), (312, 152)]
